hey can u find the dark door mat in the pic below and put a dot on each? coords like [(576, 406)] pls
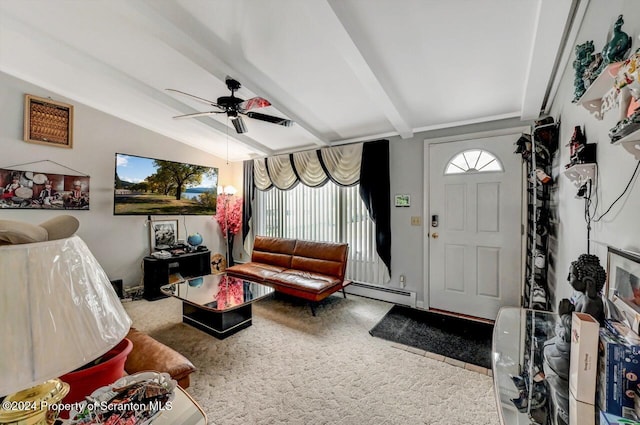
[(457, 338)]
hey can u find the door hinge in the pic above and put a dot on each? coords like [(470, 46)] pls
[(522, 229)]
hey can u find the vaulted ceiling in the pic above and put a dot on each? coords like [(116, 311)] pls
[(342, 70)]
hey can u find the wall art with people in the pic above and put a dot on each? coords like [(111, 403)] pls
[(20, 189)]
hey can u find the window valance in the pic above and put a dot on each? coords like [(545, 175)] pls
[(340, 164)]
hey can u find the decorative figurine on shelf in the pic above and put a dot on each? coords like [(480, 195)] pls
[(587, 277), (627, 83), (577, 143), (583, 58), (617, 48), (591, 71)]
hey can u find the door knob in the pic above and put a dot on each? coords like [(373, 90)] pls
[(434, 235)]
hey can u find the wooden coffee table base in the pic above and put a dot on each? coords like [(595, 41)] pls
[(219, 324)]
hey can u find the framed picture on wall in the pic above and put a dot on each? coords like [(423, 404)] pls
[(32, 189), (163, 234), (623, 284), (48, 122), (403, 200)]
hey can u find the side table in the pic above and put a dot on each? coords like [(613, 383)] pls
[(184, 411)]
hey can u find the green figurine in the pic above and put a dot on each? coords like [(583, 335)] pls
[(616, 49), (583, 58)]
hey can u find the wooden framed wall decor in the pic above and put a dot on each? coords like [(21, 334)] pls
[(48, 122)]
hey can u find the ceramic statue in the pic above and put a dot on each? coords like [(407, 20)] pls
[(618, 47), (583, 58), (587, 277)]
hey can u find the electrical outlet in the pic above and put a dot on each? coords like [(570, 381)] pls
[(416, 220), (403, 281)]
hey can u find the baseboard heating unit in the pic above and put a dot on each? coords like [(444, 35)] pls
[(383, 293)]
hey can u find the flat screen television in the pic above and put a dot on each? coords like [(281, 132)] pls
[(148, 186)]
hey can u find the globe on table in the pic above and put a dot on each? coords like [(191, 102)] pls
[(194, 239), (196, 282)]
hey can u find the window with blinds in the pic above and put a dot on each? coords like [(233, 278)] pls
[(330, 213)]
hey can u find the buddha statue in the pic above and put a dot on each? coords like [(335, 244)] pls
[(587, 277)]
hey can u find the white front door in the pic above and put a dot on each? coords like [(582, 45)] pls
[(474, 252)]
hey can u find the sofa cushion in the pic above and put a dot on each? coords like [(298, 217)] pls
[(320, 257), (19, 232), (60, 227), (275, 251), (321, 250), (305, 281), (255, 271)]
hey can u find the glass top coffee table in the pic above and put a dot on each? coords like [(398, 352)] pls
[(217, 304)]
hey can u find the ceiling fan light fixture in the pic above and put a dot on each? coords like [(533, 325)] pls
[(238, 124)]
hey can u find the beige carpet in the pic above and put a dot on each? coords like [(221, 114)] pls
[(290, 367)]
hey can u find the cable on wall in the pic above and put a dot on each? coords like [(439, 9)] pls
[(588, 218), (631, 180)]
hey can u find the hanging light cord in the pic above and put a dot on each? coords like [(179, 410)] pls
[(227, 139)]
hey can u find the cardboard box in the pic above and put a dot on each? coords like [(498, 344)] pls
[(618, 374), (583, 368), (581, 413), (611, 419)]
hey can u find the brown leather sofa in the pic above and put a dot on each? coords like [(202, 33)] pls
[(304, 269), (150, 354)]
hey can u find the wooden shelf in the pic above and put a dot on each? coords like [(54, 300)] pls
[(580, 173), (598, 98), (631, 143)]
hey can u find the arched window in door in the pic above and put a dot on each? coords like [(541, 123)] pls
[(473, 161)]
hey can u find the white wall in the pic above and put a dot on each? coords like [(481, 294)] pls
[(118, 242), (621, 227)]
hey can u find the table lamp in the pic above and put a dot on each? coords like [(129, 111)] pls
[(58, 312)]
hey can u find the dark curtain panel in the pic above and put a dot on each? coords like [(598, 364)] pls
[(375, 192), (248, 189)]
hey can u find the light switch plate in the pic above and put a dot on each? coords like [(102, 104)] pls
[(416, 220)]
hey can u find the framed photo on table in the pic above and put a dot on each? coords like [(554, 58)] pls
[(48, 122), (623, 284), (163, 234)]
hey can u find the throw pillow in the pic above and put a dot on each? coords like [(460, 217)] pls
[(19, 232)]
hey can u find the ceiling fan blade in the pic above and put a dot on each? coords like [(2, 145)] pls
[(253, 103), (238, 124), (197, 114), (208, 102), (270, 118)]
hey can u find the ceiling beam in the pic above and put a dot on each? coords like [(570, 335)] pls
[(551, 21), (204, 48), (348, 41)]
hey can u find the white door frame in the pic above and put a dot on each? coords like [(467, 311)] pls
[(426, 219)]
